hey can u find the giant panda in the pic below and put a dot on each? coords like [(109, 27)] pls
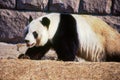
[(72, 35)]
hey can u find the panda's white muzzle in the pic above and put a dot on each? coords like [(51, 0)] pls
[(30, 40), (28, 44)]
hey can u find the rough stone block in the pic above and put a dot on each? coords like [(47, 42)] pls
[(116, 7), (7, 4), (41, 5), (95, 6), (64, 6)]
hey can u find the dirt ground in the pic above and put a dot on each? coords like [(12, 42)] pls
[(12, 68), (12, 51)]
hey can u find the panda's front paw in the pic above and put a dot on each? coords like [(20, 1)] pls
[(23, 56)]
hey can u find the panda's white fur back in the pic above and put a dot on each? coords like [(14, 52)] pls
[(89, 41), (98, 40)]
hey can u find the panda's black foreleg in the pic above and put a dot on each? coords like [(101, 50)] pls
[(65, 57), (35, 53), (66, 51)]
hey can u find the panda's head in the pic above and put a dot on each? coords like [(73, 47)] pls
[(36, 32)]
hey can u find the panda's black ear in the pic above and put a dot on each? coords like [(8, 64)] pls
[(45, 21), (30, 18)]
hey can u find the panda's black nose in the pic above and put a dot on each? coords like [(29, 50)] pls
[(26, 41)]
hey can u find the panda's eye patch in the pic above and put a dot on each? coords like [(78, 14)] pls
[(35, 34)]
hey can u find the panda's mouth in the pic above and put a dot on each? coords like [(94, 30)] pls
[(30, 45)]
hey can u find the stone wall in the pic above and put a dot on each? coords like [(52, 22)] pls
[(14, 13)]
